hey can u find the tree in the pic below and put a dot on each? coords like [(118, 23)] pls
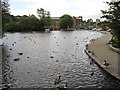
[(5, 12), (45, 17), (42, 13), (90, 22), (66, 21), (113, 17), (47, 22)]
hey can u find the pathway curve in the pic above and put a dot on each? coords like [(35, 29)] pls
[(103, 52)]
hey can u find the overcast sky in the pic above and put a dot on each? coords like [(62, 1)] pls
[(86, 8)]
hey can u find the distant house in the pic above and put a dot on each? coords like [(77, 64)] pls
[(78, 22), (97, 21), (55, 21)]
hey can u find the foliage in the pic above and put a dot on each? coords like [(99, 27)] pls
[(85, 24), (42, 13), (90, 22), (45, 17), (51, 27), (47, 22), (5, 12), (103, 25), (113, 17), (66, 21), (116, 39), (25, 23)]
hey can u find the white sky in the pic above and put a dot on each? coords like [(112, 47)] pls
[(86, 8)]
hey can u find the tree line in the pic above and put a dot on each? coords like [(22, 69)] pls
[(24, 23), (18, 23)]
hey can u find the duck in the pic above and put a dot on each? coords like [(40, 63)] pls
[(91, 62), (62, 86), (92, 73), (57, 60), (77, 44), (20, 53), (105, 64), (92, 53), (10, 49), (58, 80), (92, 39), (51, 56), (16, 59), (8, 56), (89, 51), (86, 45)]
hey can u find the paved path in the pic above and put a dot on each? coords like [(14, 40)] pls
[(103, 52)]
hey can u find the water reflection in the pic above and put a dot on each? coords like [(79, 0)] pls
[(48, 55)]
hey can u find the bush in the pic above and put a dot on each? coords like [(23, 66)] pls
[(116, 39)]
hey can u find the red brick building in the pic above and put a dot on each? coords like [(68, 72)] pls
[(77, 22)]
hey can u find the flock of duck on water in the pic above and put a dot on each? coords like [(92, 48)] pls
[(58, 80)]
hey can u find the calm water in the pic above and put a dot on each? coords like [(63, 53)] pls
[(46, 55)]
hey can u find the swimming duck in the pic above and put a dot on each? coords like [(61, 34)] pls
[(20, 53), (86, 45), (62, 86), (51, 56), (16, 59), (92, 73), (77, 44), (91, 62), (58, 80), (10, 49)]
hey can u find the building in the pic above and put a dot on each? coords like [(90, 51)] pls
[(55, 21), (77, 22), (97, 21)]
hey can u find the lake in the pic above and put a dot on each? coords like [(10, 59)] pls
[(46, 55)]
